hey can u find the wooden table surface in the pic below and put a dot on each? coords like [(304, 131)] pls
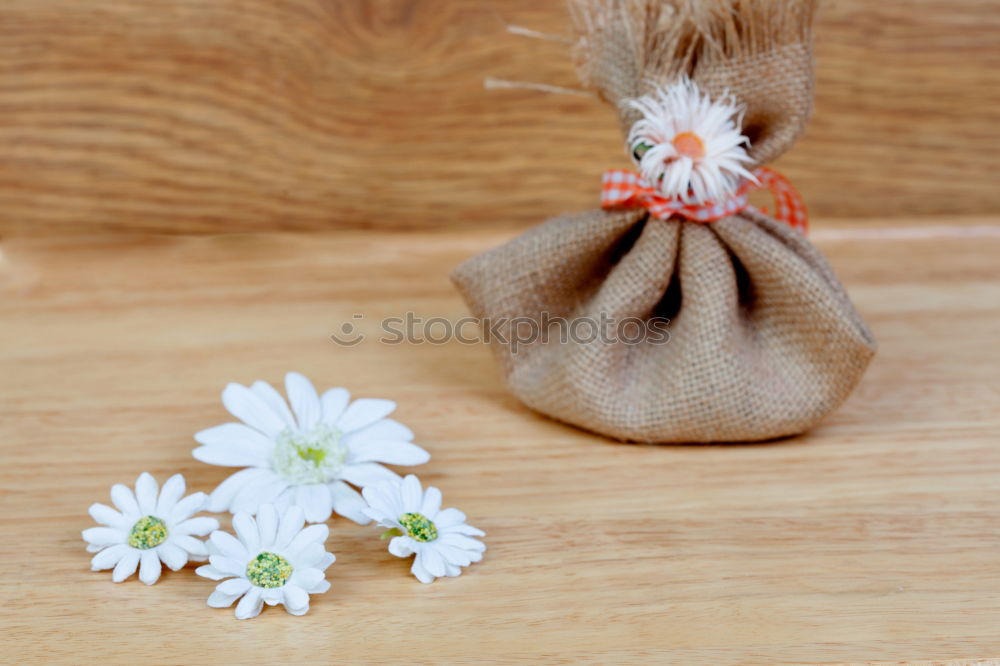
[(875, 537)]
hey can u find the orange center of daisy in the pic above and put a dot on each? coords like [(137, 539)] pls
[(689, 144)]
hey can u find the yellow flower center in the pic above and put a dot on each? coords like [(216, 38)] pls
[(689, 144), (148, 532), (418, 526), (269, 570)]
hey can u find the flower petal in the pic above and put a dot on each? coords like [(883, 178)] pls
[(238, 437), (382, 429), (171, 492), (103, 536), (191, 545), (291, 522), (267, 525), (393, 452), (260, 491), (402, 546), (233, 586), (295, 597), (432, 561), (333, 403), (461, 528), (315, 502), (229, 546), (449, 517), (218, 600), (172, 555), (146, 491), (305, 401), (105, 515), (383, 500), (312, 534), (310, 556), (199, 526), (108, 557), (248, 407), (246, 530), (348, 503), (222, 497), (210, 572), (456, 556), (149, 567), (126, 566), (431, 503), (234, 454), (463, 542), (328, 559), (411, 493), (363, 412), (307, 578), (250, 604), (228, 565), (123, 498), (187, 507), (366, 474), (270, 395), (418, 570)]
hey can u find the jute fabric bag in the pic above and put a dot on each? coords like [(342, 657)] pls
[(763, 341)]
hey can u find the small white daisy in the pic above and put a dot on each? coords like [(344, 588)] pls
[(273, 561), (440, 538), (150, 528), (688, 146), (304, 456)]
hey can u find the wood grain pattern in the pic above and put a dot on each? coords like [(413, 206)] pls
[(240, 115), (873, 538)]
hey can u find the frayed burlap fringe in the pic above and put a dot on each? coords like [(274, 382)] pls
[(758, 50)]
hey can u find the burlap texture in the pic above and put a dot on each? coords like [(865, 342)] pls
[(764, 341)]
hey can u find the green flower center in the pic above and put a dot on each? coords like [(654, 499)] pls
[(148, 532), (304, 458), (418, 526), (269, 570)]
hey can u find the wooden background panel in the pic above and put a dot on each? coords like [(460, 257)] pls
[(198, 116)]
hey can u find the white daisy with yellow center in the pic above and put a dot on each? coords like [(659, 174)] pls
[(439, 538), (307, 455), (688, 146), (271, 560), (150, 526)]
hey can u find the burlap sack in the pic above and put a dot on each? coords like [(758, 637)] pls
[(763, 340)]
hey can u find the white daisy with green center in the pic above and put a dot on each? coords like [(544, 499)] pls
[(150, 526), (306, 455), (688, 146), (439, 538), (271, 560)]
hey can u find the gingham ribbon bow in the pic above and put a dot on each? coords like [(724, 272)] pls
[(626, 189)]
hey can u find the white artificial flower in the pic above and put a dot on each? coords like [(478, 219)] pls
[(688, 146), (149, 527), (439, 537), (273, 561), (304, 456)]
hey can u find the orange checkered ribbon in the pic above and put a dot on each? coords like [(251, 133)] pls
[(626, 189)]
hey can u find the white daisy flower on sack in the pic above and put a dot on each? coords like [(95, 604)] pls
[(304, 456), (439, 537), (149, 527), (688, 146), (274, 561)]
